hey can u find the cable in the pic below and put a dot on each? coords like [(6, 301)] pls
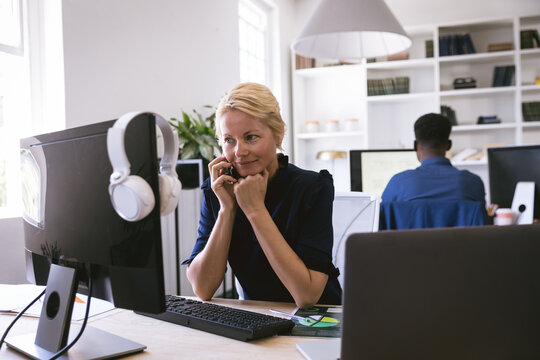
[(68, 346), (19, 315), (347, 228)]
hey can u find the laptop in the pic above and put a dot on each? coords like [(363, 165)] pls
[(446, 293)]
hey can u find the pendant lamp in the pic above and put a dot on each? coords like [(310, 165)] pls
[(351, 30)]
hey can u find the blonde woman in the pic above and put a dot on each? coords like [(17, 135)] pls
[(271, 220)]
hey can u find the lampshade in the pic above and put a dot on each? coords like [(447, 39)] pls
[(351, 30)]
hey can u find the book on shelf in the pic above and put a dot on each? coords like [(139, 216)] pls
[(469, 46), (509, 75), (491, 119), (303, 62), (449, 113), (531, 111), (453, 47), (443, 45), (500, 46), (528, 38), (388, 86), (398, 56), (503, 75), (498, 76), (536, 37), (402, 85), (429, 48), (456, 44)]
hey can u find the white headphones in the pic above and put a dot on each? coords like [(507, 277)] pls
[(131, 195)]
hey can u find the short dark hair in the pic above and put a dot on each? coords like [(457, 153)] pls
[(433, 130)]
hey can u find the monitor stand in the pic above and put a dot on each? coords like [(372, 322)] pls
[(523, 202), (53, 331)]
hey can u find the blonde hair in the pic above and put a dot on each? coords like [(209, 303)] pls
[(256, 100)]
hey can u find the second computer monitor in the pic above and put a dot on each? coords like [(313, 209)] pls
[(509, 165), (372, 169)]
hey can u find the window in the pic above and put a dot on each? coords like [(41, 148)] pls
[(14, 104), (252, 28), (257, 28)]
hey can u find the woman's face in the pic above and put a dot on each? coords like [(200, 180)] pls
[(248, 144)]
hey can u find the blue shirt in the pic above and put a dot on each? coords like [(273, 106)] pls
[(435, 178), (300, 203)]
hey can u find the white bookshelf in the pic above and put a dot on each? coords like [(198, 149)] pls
[(386, 121)]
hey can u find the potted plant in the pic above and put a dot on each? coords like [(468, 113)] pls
[(197, 140)]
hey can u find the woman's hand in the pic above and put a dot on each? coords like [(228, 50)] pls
[(251, 191), (222, 184)]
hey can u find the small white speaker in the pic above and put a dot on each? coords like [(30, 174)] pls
[(523, 202)]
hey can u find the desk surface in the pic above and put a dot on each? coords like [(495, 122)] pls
[(169, 341)]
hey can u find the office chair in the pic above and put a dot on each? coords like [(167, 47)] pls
[(353, 212), (416, 214)]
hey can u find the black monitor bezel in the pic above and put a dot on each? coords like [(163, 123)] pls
[(121, 284), (503, 198), (356, 157)]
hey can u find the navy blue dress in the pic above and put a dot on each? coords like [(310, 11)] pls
[(300, 203)]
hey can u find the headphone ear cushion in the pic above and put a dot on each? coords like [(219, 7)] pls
[(169, 193), (132, 198)]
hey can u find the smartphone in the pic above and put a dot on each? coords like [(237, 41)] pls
[(231, 171)]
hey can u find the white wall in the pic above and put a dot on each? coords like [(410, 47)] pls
[(158, 55), (12, 265), (287, 20)]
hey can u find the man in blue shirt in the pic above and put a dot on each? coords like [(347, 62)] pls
[(435, 178)]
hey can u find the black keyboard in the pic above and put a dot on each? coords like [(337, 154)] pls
[(221, 320)]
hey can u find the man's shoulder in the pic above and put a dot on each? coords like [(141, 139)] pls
[(406, 174), (467, 174)]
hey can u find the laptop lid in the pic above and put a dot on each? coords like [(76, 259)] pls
[(447, 293)]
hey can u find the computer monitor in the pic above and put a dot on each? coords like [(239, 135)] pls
[(372, 169), (509, 165), (69, 221)]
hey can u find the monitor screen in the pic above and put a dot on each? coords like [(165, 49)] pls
[(372, 169), (509, 165), (70, 221)]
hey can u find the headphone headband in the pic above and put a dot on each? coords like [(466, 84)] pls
[(117, 153), (131, 196)]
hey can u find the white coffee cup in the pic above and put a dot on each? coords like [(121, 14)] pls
[(504, 216)]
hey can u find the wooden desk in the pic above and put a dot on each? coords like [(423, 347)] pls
[(169, 341)]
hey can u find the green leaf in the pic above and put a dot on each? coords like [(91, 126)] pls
[(196, 134), (207, 152), (210, 140), (190, 151), (184, 132), (187, 121), (182, 141), (199, 117)]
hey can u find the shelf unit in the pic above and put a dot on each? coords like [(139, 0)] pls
[(386, 121)]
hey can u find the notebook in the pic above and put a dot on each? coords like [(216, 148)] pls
[(447, 293)]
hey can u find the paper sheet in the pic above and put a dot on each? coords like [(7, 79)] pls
[(14, 298)]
